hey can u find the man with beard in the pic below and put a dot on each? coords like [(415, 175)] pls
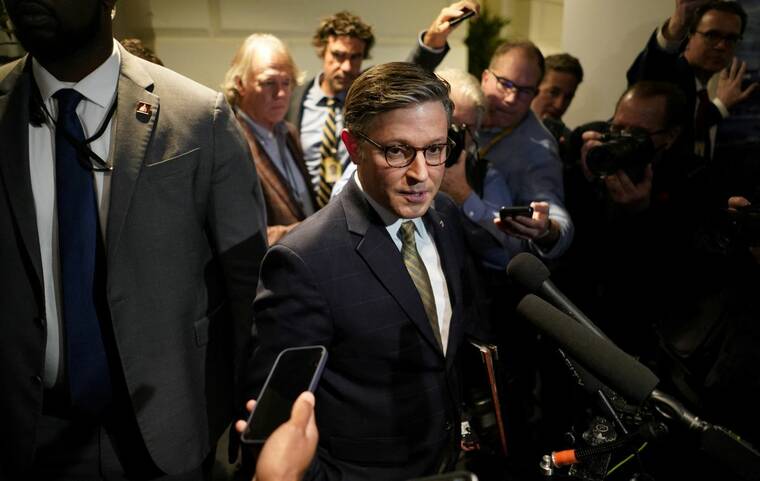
[(343, 41), (695, 43), (132, 223)]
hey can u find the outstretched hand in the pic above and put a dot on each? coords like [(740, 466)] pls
[(730, 90), (439, 30)]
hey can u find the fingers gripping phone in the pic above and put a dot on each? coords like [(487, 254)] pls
[(295, 370), (513, 211), (456, 21)]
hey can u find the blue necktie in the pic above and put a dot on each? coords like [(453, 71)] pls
[(89, 379)]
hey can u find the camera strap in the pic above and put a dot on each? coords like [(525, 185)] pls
[(495, 140)]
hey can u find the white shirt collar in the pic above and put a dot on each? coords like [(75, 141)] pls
[(99, 86)]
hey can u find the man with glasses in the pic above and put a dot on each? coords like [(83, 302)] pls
[(695, 43), (523, 151), (377, 277)]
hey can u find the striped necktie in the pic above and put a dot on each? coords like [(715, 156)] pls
[(419, 276), (330, 170)]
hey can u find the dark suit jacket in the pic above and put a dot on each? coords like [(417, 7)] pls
[(282, 205), (388, 401), (653, 63), (184, 238)]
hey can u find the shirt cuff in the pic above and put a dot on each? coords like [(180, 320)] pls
[(669, 46), (429, 49), (721, 107)]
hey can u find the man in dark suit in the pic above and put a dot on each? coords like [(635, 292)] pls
[(376, 277), (132, 229), (258, 85), (343, 41), (695, 43)]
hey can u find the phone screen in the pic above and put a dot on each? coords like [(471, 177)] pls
[(296, 370)]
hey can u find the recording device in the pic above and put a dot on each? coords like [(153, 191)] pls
[(509, 212), (528, 271), (630, 151), (636, 382), (295, 370), (467, 14), (453, 476)]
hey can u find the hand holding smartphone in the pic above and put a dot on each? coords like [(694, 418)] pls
[(295, 370), (456, 21)]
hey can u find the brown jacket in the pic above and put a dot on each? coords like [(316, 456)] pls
[(283, 209)]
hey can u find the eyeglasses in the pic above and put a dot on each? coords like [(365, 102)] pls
[(401, 155), (713, 38), (506, 85), (632, 131)]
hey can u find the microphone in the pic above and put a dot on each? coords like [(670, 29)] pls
[(531, 273), (601, 357)]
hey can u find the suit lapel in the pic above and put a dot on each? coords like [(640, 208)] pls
[(14, 166), (133, 132), (384, 259), (448, 255), (270, 174)]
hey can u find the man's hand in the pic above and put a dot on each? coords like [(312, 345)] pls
[(591, 139), (289, 450), (678, 24), (730, 84), (632, 197), (538, 228), (436, 35), (455, 180), (733, 204)]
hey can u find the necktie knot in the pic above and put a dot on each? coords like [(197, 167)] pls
[(331, 101), (407, 233), (68, 99)]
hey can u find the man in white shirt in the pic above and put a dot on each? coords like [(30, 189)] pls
[(132, 227)]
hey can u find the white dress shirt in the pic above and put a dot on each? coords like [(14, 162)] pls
[(99, 92), (429, 254)]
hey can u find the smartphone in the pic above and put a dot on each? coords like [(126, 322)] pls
[(453, 476), (296, 369), (467, 14), (514, 211)]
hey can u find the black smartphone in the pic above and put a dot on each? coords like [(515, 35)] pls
[(296, 369), (514, 211), (467, 14), (453, 476)]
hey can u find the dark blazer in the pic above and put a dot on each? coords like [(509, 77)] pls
[(653, 63), (282, 206), (184, 237), (388, 401)]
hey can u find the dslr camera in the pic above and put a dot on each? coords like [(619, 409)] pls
[(629, 150)]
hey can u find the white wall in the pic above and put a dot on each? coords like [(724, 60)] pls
[(198, 38), (606, 35)]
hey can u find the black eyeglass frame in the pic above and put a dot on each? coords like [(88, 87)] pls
[(506, 84), (449, 146), (712, 38)]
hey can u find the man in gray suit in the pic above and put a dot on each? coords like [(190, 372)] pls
[(132, 227)]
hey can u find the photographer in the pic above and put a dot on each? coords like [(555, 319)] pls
[(638, 199)]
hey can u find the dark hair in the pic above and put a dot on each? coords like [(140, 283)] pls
[(391, 86), (676, 110), (564, 62), (721, 6), (526, 46), (343, 23)]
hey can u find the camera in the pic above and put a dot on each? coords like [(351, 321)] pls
[(747, 224), (630, 151), (457, 134)]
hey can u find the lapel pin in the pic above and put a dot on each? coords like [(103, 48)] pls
[(441, 223), (144, 111)]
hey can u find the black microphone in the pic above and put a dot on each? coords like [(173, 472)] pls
[(532, 274), (602, 358)]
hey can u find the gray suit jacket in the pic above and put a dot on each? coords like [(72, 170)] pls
[(184, 237)]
